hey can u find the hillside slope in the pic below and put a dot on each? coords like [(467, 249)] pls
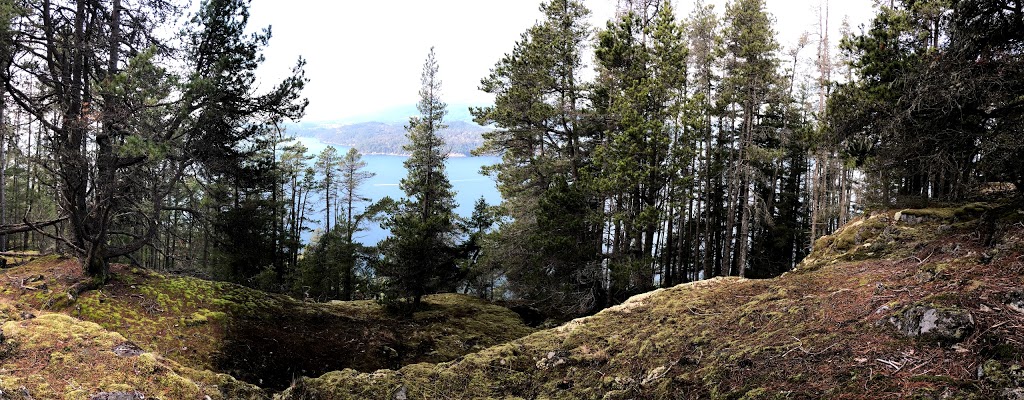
[(261, 338), (899, 304), (460, 137), (54, 356)]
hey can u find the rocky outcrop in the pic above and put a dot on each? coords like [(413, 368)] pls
[(943, 324)]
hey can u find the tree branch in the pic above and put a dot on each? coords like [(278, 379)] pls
[(26, 227)]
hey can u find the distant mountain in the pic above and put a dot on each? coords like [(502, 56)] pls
[(389, 137)]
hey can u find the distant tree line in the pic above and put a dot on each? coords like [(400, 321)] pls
[(697, 147)]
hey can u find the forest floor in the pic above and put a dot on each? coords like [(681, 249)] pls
[(917, 303), (923, 304), (56, 346)]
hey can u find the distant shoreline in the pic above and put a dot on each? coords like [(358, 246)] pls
[(377, 153)]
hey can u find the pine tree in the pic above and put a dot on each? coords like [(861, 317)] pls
[(327, 165), (644, 78), (352, 176), (751, 76), (420, 254), (292, 167), (479, 278), (129, 115), (705, 45), (935, 100), (546, 132)]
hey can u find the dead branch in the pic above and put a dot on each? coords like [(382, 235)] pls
[(894, 365), (39, 230), (20, 255), (28, 226)]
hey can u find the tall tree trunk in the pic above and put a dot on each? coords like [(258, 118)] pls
[(3, 171)]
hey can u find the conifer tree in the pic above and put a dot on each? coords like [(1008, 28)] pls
[(546, 132), (642, 60), (420, 254), (327, 165), (935, 99), (128, 114), (352, 176), (751, 76)]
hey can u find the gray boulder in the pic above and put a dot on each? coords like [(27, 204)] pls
[(943, 324)]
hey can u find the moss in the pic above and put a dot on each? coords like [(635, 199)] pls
[(196, 319), (80, 361), (949, 214), (758, 393)]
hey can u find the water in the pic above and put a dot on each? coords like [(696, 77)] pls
[(463, 172)]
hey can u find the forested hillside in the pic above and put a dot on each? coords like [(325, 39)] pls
[(672, 143), (460, 137), (897, 304)]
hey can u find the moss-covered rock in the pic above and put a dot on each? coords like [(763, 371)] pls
[(60, 357), (943, 324)]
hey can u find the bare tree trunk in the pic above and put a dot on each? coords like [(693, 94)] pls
[(742, 241), (3, 172)]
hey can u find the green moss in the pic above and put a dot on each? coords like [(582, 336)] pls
[(948, 214), (195, 319), (80, 359), (758, 393)]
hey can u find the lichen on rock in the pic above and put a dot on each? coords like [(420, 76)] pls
[(947, 325)]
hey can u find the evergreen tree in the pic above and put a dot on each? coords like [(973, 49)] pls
[(135, 115), (751, 77), (420, 254), (328, 164), (352, 178), (551, 247), (479, 278), (293, 168), (932, 109), (705, 45), (644, 78)]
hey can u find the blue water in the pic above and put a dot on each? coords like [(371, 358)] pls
[(463, 172)]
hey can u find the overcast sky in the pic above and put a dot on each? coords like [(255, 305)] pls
[(365, 57)]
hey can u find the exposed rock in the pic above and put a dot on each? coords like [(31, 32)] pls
[(401, 393), (907, 219), (117, 396), (949, 325), (551, 360), (1015, 300), (128, 349)]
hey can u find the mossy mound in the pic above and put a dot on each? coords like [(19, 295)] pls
[(824, 332), (258, 337), (54, 356)]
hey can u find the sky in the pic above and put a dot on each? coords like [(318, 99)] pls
[(364, 57)]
